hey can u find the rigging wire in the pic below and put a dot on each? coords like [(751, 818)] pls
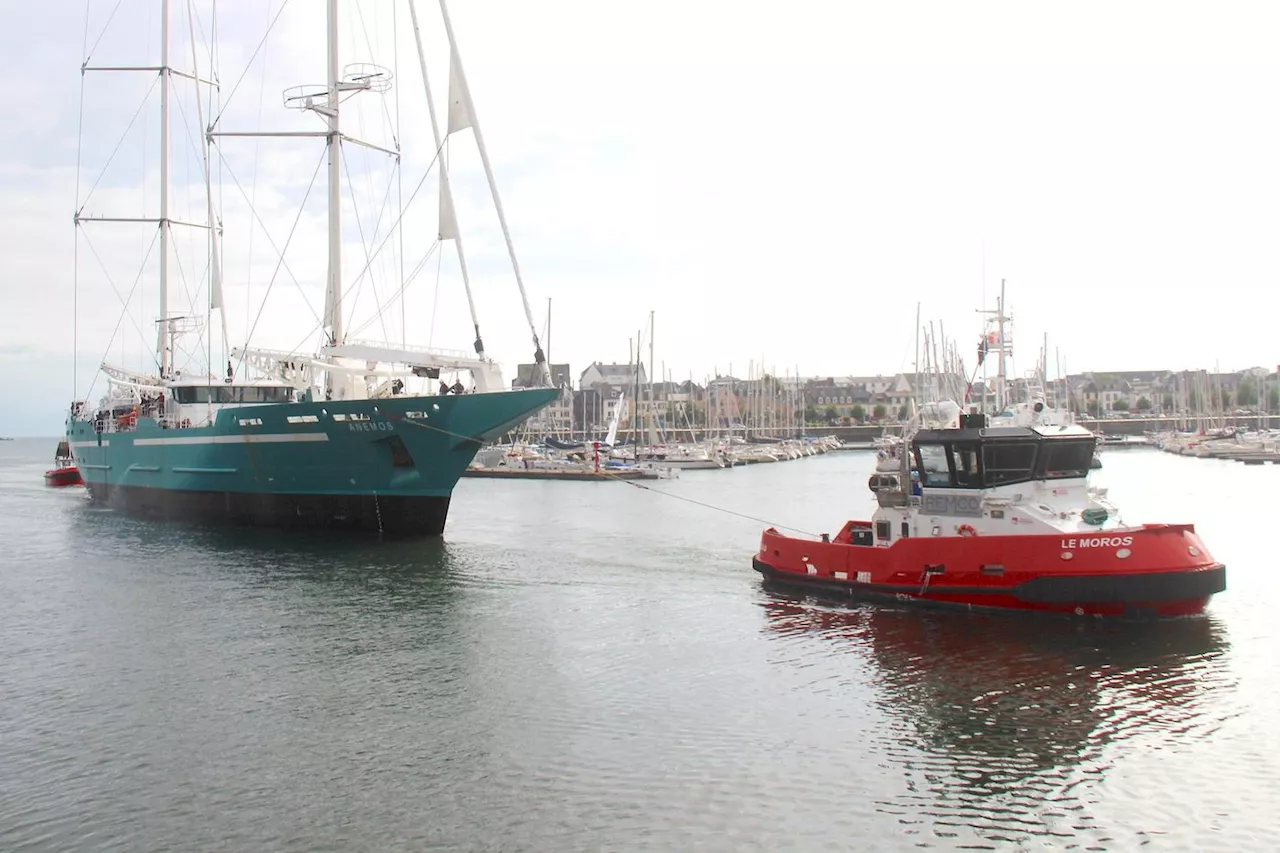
[(75, 251), (287, 269), (364, 244), (164, 81), (280, 253), (320, 323), (210, 273), (154, 237), (177, 254), (116, 150), (399, 292), (360, 121), (372, 53), (253, 190), (395, 64), (400, 218), (200, 332), (125, 303), (215, 96), (89, 53), (249, 64), (435, 301)]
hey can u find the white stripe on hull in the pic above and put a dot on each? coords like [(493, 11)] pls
[(251, 438)]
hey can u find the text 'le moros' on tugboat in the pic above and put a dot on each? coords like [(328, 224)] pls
[(1001, 517)]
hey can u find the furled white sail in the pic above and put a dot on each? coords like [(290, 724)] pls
[(459, 108)]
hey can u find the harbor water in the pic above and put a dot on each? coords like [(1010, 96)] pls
[(595, 666)]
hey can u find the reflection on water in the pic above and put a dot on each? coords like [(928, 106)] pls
[(585, 668), (1000, 722), (396, 570)]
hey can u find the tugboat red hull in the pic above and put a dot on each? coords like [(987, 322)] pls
[(63, 477), (1157, 570)]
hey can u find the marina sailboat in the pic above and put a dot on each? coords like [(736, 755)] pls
[(339, 433)]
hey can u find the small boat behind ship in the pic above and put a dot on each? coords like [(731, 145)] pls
[(64, 471), (1003, 518)]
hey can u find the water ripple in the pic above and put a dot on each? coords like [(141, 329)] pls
[(600, 669), (1005, 729)]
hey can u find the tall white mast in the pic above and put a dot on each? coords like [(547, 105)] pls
[(326, 102), (539, 358), (333, 292), (1003, 348), (916, 391), (653, 415), (1000, 391), (216, 301), (163, 326), (166, 326)]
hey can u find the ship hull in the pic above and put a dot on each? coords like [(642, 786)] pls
[(390, 514), (1155, 571), (381, 466)]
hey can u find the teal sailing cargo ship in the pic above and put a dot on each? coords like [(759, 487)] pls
[(348, 434)]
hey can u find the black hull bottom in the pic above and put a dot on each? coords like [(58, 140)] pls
[(389, 515), (1137, 596)]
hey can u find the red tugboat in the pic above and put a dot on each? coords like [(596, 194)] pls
[(1001, 517), (64, 471)]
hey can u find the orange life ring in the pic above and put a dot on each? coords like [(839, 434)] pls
[(966, 530)]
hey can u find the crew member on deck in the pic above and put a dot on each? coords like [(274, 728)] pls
[(458, 387)]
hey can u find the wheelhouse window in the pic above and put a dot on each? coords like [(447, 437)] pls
[(230, 394), (935, 470), (265, 394), (1063, 459), (191, 394), (1008, 463), (968, 474)]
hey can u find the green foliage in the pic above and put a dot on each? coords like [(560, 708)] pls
[(879, 411), (1144, 405)]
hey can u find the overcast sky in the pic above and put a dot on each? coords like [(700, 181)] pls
[(776, 181)]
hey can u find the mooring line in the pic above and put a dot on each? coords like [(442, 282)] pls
[(642, 486), (725, 510)]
